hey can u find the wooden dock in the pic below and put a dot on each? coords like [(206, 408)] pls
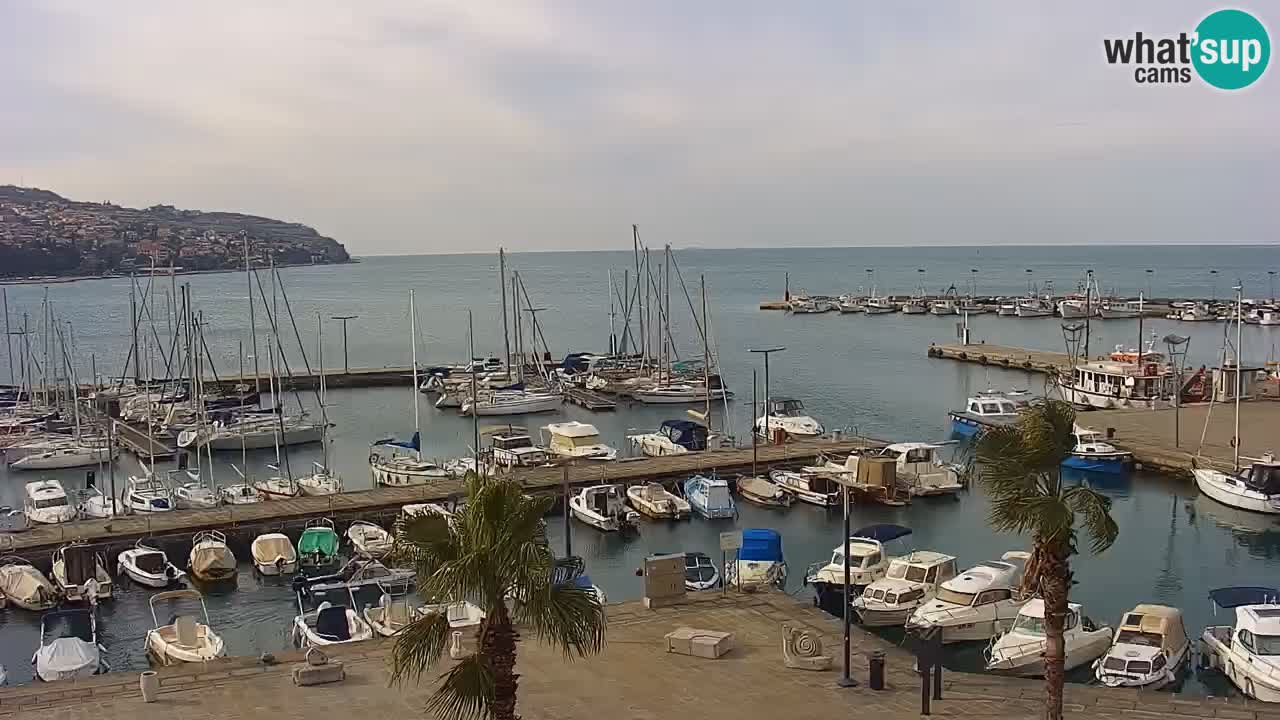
[(590, 399), (1014, 358)]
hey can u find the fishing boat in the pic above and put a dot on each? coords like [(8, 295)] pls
[(579, 441), (1077, 308), (210, 559), (919, 468), (759, 563), (1120, 309), (1093, 454), (1248, 653), (369, 540), (986, 409), (602, 507), (788, 416), (1265, 317), (1020, 650), (801, 305), (1035, 307), (699, 572), (976, 605), (326, 614), (68, 645), (762, 491), (513, 402), (946, 306), (878, 304), (1149, 651), (46, 503), (273, 554), (318, 544), (1109, 385), (147, 494), (1197, 312), (25, 586), (673, 437), (1256, 487), (850, 304), (709, 497), (808, 487), (655, 501), (184, 639), (81, 573), (147, 566), (512, 450), (1007, 307), (911, 581)]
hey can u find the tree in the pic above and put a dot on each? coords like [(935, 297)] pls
[(1021, 471), (495, 554)]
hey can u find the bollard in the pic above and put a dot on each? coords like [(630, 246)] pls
[(876, 670), (924, 690), (937, 681)]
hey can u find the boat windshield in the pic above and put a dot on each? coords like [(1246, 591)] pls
[(585, 441), (1267, 644), (837, 558), (915, 573), (1028, 625), (897, 570), (1136, 637), (955, 597), (50, 503)]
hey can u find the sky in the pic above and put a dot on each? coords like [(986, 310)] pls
[(427, 126)]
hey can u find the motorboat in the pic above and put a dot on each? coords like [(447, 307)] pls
[(1077, 308), (318, 544), (513, 402), (910, 582), (787, 416), (68, 645), (277, 487), (971, 306), (986, 409), (878, 304), (321, 482), (700, 572), (71, 455), (95, 504), (1255, 488), (327, 614), (709, 497), (919, 468), (578, 441), (763, 491), (801, 305), (945, 306), (917, 305), (361, 574), (1109, 385), (460, 614), (1020, 650), (1149, 650), (392, 614), (1248, 653), (1008, 307), (211, 560), (511, 450), (369, 540), (673, 437), (977, 604), (759, 562), (273, 554), (81, 574), (1264, 317), (148, 566), (602, 507), (25, 586), (850, 304), (46, 503), (1197, 312), (147, 494), (1120, 309), (655, 501), (184, 639), (1035, 307), (1092, 453), (808, 487)]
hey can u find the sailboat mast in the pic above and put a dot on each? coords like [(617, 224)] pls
[(506, 333), (635, 249), (706, 347), (413, 353), (133, 314), (324, 417), (612, 326), (475, 396), (8, 337), (1239, 369), (253, 325), (1140, 314), (666, 305)]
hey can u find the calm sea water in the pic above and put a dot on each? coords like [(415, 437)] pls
[(865, 372)]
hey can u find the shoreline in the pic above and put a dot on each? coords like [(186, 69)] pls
[(164, 272)]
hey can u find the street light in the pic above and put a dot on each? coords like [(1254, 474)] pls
[(1213, 280), (1271, 281), (1150, 274), (1177, 346), (346, 365)]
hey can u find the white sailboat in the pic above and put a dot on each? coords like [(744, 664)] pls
[(512, 402), (388, 463), (323, 481)]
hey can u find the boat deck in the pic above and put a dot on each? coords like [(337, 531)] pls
[(590, 399)]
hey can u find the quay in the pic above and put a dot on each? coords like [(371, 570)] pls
[(1005, 356), (383, 503), (634, 676), (1169, 439), (590, 399)]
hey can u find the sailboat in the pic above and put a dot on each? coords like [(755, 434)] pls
[(79, 451), (390, 466), (322, 481)]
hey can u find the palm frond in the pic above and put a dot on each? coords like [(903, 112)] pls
[(566, 616), (466, 692), (1094, 509), (419, 646)]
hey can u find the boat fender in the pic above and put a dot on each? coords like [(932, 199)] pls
[(373, 458), (170, 572), (1004, 362), (982, 359), (962, 355)]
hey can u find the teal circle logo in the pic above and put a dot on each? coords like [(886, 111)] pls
[(1231, 49)]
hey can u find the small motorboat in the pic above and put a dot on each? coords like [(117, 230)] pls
[(1093, 454), (147, 566), (210, 559), (759, 562), (185, 639), (25, 586), (46, 503), (602, 507), (673, 437), (868, 562), (910, 582), (318, 544), (762, 491), (978, 604), (147, 495), (1020, 651), (700, 572), (655, 501), (461, 614), (808, 487), (68, 645), (80, 571), (273, 554), (787, 416), (392, 614), (1149, 650), (326, 614), (709, 497), (369, 540), (1254, 668)]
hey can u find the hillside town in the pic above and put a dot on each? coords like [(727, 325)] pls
[(43, 234)]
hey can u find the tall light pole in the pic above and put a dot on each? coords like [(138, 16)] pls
[(1150, 273), (1271, 282), (1213, 279), (1177, 346), (346, 363), (766, 352)]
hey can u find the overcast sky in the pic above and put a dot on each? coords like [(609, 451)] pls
[(416, 126)]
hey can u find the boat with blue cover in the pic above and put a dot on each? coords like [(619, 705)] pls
[(759, 562), (868, 562)]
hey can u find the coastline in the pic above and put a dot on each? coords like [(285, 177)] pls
[(59, 279)]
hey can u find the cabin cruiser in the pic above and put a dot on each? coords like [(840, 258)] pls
[(68, 645), (1264, 317), (878, 304), (911, 581), (513, 402), (147, 495), (808, 487), (81, 574), (184, 639), (326, 614), (1248, 652), (709, 497), (369, 540), (763, 491), (787, 415), (148, 566), (578, 441), (921, 471), (318, 544), (699, 572), (46, 503), (868, 562), (985, 409), (945, 306), (25, 586), (977, 604), (1255, 488), (510, 450), (273, 554), (1149, 650), (673, 437), (210, 559), (1107, 385), (759, 562), (1020, 650), (602, 507), (1093, 454), (655, 501)]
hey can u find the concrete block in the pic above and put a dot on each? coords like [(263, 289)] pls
[(709, 644), (306, 674)]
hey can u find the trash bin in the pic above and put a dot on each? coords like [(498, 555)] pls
[(876, 669)]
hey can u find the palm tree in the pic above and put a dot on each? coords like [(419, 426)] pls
[(494, 553), (1021, 471)]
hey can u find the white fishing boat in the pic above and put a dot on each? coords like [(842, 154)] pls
[(1255, 488), (1109, 385), (911, 581), (1150, 649), (1035, 307), (1120, 309), (1197, 312), (976, 605), (327, 615), (184, 639), (787, 415), (920, 469), (46, 503), (850, 304), (945, 306), (25, 586), (512, 450), (1008, 307), (513, 402), (1077, 308), (147, 566), (804, 305), (1248, 653), (918, 304), (602, 507), (147, 494), (72, 455), (1020, 650), (880, 304), (673, 437), (80, 572), (579, 441), (369, 540), (655, 501), (709, 497), (211, 560), (808, 487), (759, 562), (68, 645), (273, 554)]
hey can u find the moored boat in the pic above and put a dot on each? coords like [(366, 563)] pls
[(762, 491), (1255, 488), (147, 566), (868, 562), (81, 574), (602, 507), (655, 501), (911, 581), (369, 540), (1020, 650), (184, 639), (759, 562), (709, 497), (1149, 651), (211, 560), (1249, 651), (274, 554), (69, 645), (23, 585), (977, 604)]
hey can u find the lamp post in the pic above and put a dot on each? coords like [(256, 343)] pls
[(846, 681), (1177, 346), (1150, 273), (766, 352), (346, 364), (1271, 282), (1213, 281)]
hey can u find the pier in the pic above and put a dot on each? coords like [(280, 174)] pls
[(590, 399), (1013, 358), (1169, 439)]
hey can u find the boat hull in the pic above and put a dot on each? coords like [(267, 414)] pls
[(829, 597), (1212, 484), (876, 617), (528, 407), (59, 459), (1113, 463), (262, 440)]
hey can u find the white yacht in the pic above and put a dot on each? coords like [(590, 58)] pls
[(1020, 651), (919, 468), (46, 503), (147, 566), (253, 433), (579, 441), (673, 437), (321, 482), (184, 639), (868, 562), (911, 581), (1149, 651), (787, 415), (97, 505), (1248, 652), (808, 487), (1255, 488), (193, 493), (603, 508), (274, 554), (512, 402), (277, 487), (978, 604)]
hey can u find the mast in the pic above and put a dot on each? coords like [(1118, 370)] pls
[(1239, 370), (324, 418), (706, 348), (1088, 310), (518, 323), (612, 336), (1140, 314), (635, 249), (475, 396), (133, 313), (666, 306), (8, 337), (253, 326), (506, 333), (413, 352)]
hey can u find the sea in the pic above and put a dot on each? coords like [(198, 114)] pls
[(866, 374)]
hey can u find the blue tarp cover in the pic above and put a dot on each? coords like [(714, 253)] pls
[(760, 544), (882, 532), (1231, 597)]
